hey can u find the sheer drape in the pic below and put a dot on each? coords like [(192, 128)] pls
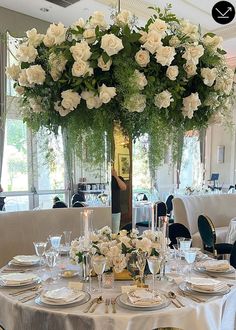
[(3, 62)]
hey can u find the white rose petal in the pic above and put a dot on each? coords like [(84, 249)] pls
[(165, 55), (48, 41), (97, 19), (172, 72), (70, 99), (142, 57), (191, 69), (140, 79), (153, 41), (56, 32), (104, 66), (123, 18), (159, 26), (26, 53), (35, 74), (135, 103), (89, 35), (209, 76), (193, 53), (163, 99), (106, 93), (13, 71), (23, 79), (111, 44), (63, 112), (190, 104), (81, 51), (81, 68), (34, 38), (212, 42)]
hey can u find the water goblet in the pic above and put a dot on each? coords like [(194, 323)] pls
[(185, 244), (141, 263), (67, 240), (40, 250), (55, 241), (154, 264), (190, 256), (99, 265), (51, 260)]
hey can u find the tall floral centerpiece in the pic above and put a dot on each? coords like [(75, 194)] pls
[(162, 79)]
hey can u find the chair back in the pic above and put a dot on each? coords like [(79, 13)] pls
[(78, 197), (177, 230), (207, 231), (169, 204), (127, 227), (232, 258), (141, 197), (59, 205), (78, 204)]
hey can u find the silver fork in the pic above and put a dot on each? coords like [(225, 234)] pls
[(107, 303), (113, 303)]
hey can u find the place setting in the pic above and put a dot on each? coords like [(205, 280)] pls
[(214, 267), (18, 279)]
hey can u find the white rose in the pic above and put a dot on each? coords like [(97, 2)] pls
[(70, 99), (165, 55), (193, 53), (143, 37), (48, 41), (81, 68), (111, 44), (189, 30), (104, 66), (13, 71), (174, 41), (63, 112), (212, 42), (191, 69), (23, 79), (19, 89), (34, 38), (26, 53), (163, 99), (172, 72), (190, 104), (139, 79), (119, 263), (223, 85), (144, 244), (35, 104), (89, 35), (36, 74), (80, 23), (106, 93), (159, 26), (153, 41), (216, 119), (58, 32), (97, 19), (57, 64), (92, 100), (209, 76), (142, 57), (81, 51), (123, 18), (135, 103)]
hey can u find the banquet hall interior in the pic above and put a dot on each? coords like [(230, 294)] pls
[(159, 121)]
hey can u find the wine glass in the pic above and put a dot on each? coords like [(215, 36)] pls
[(190, 256), (99, 264), (67, 240), (154, 264), (40, 250), (141, 263), (55, 241), (51, 260)]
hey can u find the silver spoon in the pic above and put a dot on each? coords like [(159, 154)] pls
[(172, 295)]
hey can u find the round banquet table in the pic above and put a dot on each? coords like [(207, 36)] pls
[(217, 313)]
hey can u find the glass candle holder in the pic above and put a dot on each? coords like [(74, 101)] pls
[(108, 280)]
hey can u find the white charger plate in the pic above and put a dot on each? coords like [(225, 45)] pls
[(80, 301), (123, 301), (185, 287), (202, 269), (16, 285)]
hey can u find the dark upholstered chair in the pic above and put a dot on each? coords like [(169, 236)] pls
[(78, 204), (78, 197), (59, 205), (127, 227), (169, 206), (232, 259), (177, 230), (207, 232)]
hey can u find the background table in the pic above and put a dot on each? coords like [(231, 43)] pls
[(231, 234)]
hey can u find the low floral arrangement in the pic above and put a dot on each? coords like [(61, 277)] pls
[(194, 190), (117, 248), (163, 77)]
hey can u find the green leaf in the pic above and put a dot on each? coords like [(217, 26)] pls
[(221, 51), (105, 57)]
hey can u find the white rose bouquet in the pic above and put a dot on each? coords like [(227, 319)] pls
[(163, 77)]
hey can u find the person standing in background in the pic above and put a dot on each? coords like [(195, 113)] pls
[(117, 185)]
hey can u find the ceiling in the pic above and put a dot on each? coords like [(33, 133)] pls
[(197, 12)]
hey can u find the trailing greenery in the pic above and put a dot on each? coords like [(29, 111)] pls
[(162, 79)]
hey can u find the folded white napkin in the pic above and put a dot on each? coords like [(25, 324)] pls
[(17, 278), (62, 295), (216, 265), (206, 284), (26, 259), (143, 297)]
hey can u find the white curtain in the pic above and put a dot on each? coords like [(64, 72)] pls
[(3, 63)]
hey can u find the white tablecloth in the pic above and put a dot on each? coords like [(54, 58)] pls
[(218, 313), (231, 234)]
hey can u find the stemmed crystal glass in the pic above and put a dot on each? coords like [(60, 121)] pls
[(141, 263), (99, 264), (67, 240), (154, 264), (51, 260), (40, 250), (55, 241), (190, 256)]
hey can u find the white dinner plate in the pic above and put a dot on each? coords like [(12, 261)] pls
[(185, 287), (79, 301), (202, 269), (123, 301), (15, 285)]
